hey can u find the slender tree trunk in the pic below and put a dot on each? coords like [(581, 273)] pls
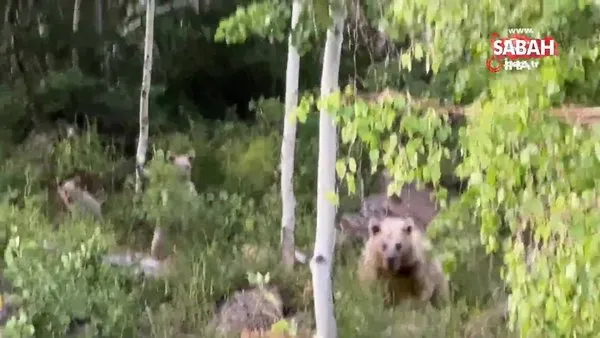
[(43, 33), (144, 94), (99, 16), (322, 261), (9, 35), (142, 146), (76, 17), (288, 145), (99, 20)]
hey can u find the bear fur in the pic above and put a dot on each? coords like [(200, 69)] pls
[(74, 195), (183, 162), (396, 253)]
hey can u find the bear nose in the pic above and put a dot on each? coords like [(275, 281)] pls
[(390, 262)]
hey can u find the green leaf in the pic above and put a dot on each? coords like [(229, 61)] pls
[(347, 134), (340, 168), (449, 263), (525, 157), (351, 182), (249, 225), (436, 173), (374, 158), (393, 142), (577, 230), (426, 172), (332, 198), (597, 151), (475, 178), (405, 60), (418, 50), (501, 195), (571, 271), (280, 327), (352, 165)]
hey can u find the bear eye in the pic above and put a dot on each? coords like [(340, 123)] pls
[(384, 246), (408, 229), (398, 246)]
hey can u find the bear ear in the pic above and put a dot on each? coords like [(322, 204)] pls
[(374, 227), (191, 154), (77, 179), (409, 225), (171, 155)]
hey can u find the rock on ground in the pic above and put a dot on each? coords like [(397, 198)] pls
[(249, 310)]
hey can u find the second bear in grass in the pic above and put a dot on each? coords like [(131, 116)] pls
[(396, 253)]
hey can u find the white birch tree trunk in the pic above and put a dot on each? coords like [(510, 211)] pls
[(142, 146), (322, 261), (76, 17), (288, 146)]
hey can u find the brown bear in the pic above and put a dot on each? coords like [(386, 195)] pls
[(184, 163), (397, 254), (75, 196)]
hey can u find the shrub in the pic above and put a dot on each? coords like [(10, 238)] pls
[(64, 279)]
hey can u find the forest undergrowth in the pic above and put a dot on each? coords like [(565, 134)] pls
[(231, 233)]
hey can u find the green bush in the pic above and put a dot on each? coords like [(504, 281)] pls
[(60, 278), (237, 208), (167, 198)]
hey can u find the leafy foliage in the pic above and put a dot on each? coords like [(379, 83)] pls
[(168, 197), (55, 286), (518, 175), (266, 19)]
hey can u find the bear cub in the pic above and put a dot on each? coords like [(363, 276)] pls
[(396, 253)]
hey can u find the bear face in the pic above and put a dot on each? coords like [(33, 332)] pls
[(398, 243), (397, 253), (72, 184), (73, 194), (183, 162), (72, 189)]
